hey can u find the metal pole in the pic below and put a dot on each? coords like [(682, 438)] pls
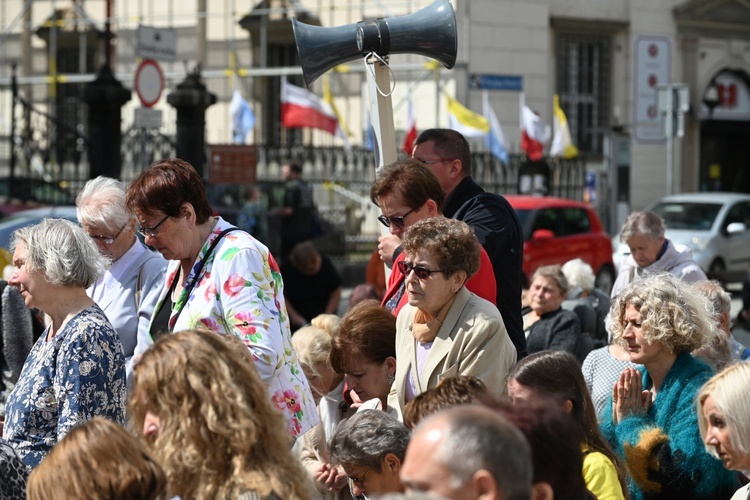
[(201, 34), (11, 136), (670, 139)]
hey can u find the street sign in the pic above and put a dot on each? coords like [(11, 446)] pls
[(148, 118), (149, 82), (673, 101), (496, 82), (156, 43)]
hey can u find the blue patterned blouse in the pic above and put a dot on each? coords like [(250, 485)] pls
[(65, 382)]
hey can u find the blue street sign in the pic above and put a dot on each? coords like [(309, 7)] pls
[(496, 82)]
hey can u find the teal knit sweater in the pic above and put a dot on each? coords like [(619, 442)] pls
[(663, 450)]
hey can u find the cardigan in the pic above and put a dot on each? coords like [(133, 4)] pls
[(663, 449), (559, 329), (471, 341)]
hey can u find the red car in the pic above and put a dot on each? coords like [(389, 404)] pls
[(556, 230)]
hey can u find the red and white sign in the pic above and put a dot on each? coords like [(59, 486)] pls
[(734, 98), (149, 82), (653, 59)]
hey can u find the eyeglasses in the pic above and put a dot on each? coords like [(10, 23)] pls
[(397, 220), (360, 482), (151, 232), (436, 160), (422, 272), (107, 240)]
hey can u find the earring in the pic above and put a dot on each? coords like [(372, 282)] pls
[(390, 379)]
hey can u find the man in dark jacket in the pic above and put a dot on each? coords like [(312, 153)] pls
[(491, 217)]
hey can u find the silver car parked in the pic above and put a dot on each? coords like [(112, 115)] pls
[(715, 226)]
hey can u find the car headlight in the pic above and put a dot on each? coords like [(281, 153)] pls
[(698, 243)]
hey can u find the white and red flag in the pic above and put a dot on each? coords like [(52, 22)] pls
[(534, 133), (302, 108), (411, 127)]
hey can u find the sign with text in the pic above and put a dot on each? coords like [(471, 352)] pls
[(734, 98), (156, 43), (148, 117), (496, 82), (232, 164), (653, 59)]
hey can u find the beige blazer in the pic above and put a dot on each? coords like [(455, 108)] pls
[(471, 341)]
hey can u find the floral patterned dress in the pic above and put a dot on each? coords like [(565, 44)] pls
[(66, 381), (240, 291)]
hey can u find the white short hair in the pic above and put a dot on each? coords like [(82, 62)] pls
[(62, 251), (579, 274), (101, 203)]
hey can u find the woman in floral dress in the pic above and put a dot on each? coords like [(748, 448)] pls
[(76, 370), (219, 278)]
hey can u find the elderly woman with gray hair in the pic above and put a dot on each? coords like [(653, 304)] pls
[(128, 290), (651, 252), (546, 324), (370, 447), (76, 370)]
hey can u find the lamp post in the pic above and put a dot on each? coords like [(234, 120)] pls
[(711, 98)]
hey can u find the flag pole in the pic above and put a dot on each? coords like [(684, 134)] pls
[(381, 117), (381, 109)]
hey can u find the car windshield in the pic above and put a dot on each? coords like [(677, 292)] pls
[(688, 215), (523, 217)]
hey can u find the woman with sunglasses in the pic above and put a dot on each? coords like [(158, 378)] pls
[(546, 324), (128, 290), (408, 192), (445, 330), (220, 278)]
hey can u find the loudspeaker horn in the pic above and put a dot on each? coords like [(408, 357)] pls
[(430, 32)]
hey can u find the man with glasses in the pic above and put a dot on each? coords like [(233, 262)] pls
[(407, 192), (127, 292), (446, 152)]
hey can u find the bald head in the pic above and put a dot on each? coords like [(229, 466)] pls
[(468, 451)]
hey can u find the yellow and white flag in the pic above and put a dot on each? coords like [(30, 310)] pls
[(562, 145), (465, 121)]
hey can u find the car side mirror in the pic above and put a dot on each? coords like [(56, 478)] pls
[(542, 235), (736, 227)]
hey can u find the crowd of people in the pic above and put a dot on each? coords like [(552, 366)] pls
[(202, 369)]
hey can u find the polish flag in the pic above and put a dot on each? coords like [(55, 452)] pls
[(534, 133), (411, 128), (302, 108)]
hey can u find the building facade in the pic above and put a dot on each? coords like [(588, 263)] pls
[(605, 58)]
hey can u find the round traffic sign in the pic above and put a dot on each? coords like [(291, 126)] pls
[(149, 82)]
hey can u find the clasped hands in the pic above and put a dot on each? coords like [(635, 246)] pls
[(334, 478), (628, 397)]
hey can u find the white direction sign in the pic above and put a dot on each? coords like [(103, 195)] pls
[(157, 43), (148, 118)]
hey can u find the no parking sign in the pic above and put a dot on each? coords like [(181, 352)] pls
[(149, 82)]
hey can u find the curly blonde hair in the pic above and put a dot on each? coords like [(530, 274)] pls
[(673, 313), (219, 436)]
